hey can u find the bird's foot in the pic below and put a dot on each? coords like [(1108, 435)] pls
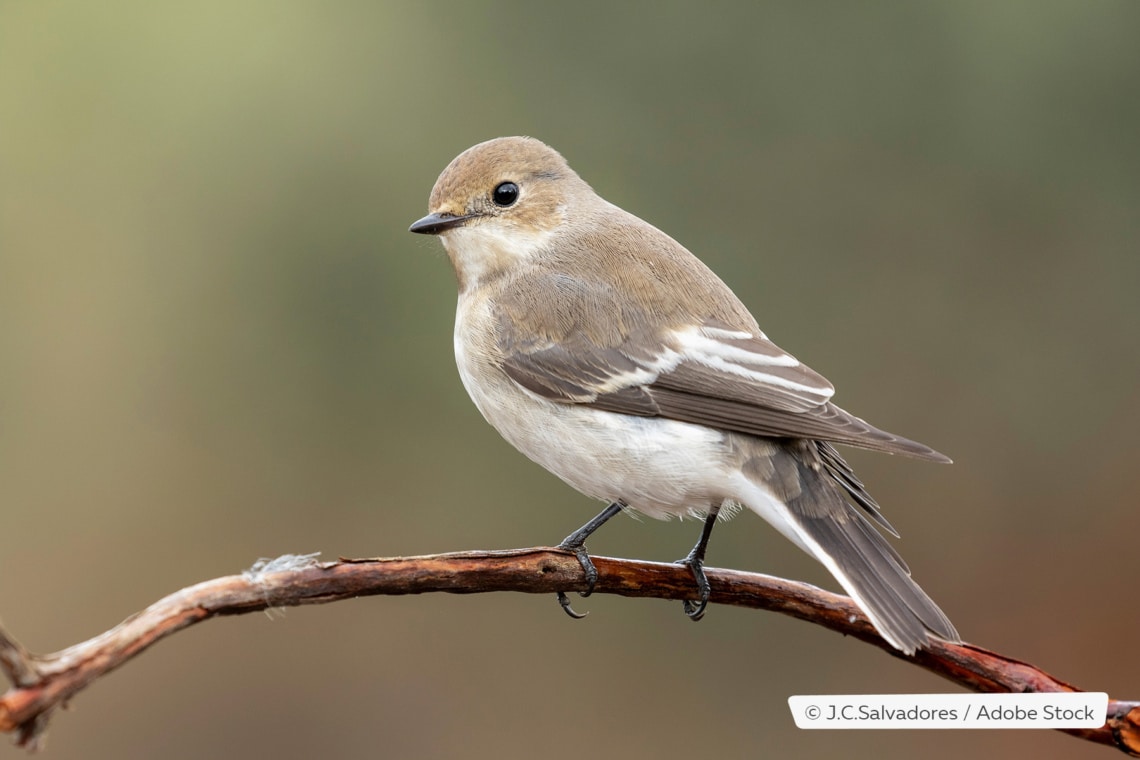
[(696, 610), (588, 569), (576, 543)]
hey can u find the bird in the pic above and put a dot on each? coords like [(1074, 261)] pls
[(606, 352)]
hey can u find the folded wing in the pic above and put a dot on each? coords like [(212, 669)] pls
[(708, 375)]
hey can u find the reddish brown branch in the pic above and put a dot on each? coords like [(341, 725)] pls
[(43, 682)]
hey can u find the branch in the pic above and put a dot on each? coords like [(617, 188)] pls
[(40, 683)]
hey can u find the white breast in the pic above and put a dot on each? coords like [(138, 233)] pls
[(660, 467)]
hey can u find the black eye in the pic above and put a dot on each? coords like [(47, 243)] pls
[(505, 194)]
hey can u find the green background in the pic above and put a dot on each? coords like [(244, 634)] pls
[(218, 342)]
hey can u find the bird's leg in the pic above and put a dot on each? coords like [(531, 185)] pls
[(576, 542), (696, 563)]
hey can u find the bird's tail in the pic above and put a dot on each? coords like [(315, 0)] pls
[(815, 500)]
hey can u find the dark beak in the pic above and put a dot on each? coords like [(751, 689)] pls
[(433, 224)]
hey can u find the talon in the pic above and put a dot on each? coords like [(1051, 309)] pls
[(696, 611), (576, 543), (591, 574), (696, 564), (588, 568), (565, 602)]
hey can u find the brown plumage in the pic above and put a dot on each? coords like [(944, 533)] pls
[(605, 351)]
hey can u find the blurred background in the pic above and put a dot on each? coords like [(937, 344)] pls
[(218, 342)]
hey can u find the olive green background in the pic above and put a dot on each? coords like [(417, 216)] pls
[(218, 342)]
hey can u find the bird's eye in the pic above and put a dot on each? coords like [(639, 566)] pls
[(505, 194)]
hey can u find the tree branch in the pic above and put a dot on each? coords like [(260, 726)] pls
[(40, 683)]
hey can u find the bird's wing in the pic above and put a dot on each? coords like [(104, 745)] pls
[(706, 374)]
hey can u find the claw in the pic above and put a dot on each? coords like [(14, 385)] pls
[(588, 568), (696, 564), (591, 573), (565, 602), (576, 543), (696, 611)]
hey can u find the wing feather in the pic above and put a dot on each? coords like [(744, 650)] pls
[(727, 379)]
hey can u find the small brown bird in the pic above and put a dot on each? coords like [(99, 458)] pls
[(603, 350)]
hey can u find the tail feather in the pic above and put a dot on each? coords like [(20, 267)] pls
[(864, 564), (820, 513)]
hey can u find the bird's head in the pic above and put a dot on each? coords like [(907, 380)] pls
[(501, 202)]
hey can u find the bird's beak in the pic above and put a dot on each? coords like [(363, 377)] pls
[(433, 224)]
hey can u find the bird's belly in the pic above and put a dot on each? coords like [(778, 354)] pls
[(661, 468)]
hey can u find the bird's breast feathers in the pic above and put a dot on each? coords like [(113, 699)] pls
[(659, 467)]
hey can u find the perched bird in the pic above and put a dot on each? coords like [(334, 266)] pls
[(602, 349)]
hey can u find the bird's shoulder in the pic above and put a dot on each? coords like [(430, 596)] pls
[(613, 278)]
